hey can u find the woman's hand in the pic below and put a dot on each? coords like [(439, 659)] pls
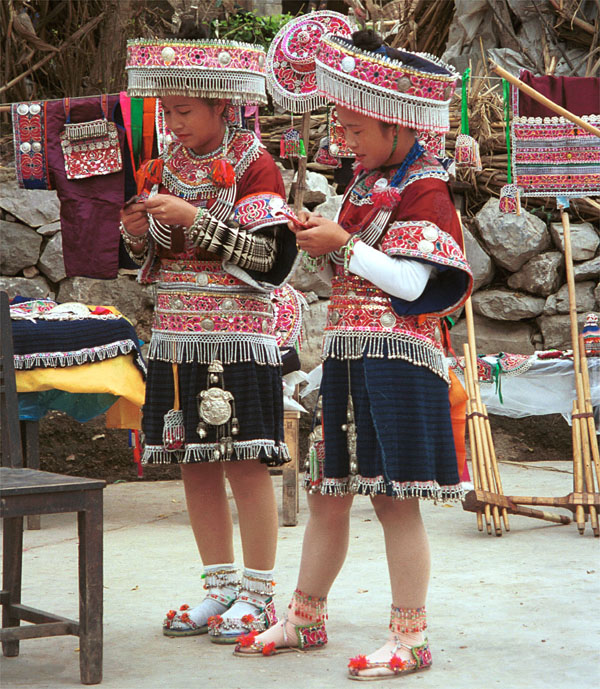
[(321, 237), (135, 219), (170, 210)]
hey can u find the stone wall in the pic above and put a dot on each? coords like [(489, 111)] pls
[(520, 301)]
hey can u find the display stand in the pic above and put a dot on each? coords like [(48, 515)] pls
[(487, 498)]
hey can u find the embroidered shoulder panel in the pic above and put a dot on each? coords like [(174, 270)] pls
[(424, 240), (188, 175), (366, 185)]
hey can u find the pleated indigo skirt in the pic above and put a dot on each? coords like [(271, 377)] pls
[(258, 395), (405, 445)]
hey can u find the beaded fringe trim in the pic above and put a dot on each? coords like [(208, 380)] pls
[(226, 576), (253, 583), (362, 485), (80, 356), (372, 101), (296, 103), (203, 452), (238, 86), (228, 348), (408, 620), (311, 608), (353, 345)]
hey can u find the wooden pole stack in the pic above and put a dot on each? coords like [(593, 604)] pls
[(487, 499), (584, 500)]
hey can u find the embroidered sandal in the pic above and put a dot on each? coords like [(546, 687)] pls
[(179, 622), (395, 666), (310, 638), (226, 630)]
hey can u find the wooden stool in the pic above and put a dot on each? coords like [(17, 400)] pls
[(27, 491), (24, 492)]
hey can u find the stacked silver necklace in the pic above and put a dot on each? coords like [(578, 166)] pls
[(220, 210)]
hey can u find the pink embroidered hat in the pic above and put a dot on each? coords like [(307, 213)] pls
[(206, 68), (410, 89), (291, 59)]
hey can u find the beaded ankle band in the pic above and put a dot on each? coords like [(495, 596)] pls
[(252, 582), (221, 578), (408, 620), (310, 608)]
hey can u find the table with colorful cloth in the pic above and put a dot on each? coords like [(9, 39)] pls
[(82, 360), (519, 385)]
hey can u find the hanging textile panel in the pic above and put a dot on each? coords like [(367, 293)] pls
[(552, 156)]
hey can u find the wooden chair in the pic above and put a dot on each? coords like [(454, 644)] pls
[(25, 491)]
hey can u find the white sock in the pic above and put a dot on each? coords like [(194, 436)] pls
[(257, 584), (221, 580)]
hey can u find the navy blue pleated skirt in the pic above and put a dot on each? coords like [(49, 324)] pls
[(258, 395), (405, 445)]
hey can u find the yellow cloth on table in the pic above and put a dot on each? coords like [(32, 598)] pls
[(117, 376)]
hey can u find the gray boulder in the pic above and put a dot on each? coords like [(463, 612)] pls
[(20, 247), (584, 239), (540, 275), (481, 264), (51, 262), (34, 288), (511, 239), (587, 270), (585, 299), (33, 207), (504, 305), (493, 336)]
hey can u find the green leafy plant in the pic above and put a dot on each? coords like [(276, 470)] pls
[(249, 27)]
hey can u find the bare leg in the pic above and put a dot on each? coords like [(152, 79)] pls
[(407, 550), (323, 553), (209, 512), (254, 496), (210, 518)]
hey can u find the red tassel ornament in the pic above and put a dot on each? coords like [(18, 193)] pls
[(386, 198), (358, 662), (222, 173), (246, 640), (397, 664), (268, 649)]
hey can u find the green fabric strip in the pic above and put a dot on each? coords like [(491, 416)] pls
[(137, 120), (464, 108), (506, 96)]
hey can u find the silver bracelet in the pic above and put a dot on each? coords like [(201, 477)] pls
[(196, 229), (133, 239)]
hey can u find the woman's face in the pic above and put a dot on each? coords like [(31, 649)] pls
[(371, 140), (194, 122)]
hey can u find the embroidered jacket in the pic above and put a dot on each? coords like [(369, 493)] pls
[(207, 309), (416, 221)]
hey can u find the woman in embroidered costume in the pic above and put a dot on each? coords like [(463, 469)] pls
[(205, 232), (398, 266)]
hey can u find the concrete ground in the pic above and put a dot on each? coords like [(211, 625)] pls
[(516, 612)]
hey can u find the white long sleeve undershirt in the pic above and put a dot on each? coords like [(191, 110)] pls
[(400, 277)]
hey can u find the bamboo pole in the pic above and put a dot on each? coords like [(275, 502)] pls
[(577, 466), (571, 289), (585, 375), (543, 100), (479, 453), (494, 465), (483, 421), (301, 175), (476, 499)]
